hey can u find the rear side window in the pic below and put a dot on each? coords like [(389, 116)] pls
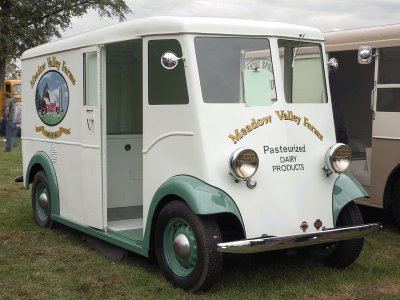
[(166, 86), (389, 64), (388, 100)]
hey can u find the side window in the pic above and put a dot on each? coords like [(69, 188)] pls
[(8, 88), (90, 74), (389, 65), (388, 98), (166, 86)]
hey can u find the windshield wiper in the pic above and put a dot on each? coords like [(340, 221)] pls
[(297, 48)]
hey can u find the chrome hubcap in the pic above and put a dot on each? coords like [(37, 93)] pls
[(43, 201), (181, 246)]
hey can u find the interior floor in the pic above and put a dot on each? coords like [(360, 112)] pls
[(126, 221)]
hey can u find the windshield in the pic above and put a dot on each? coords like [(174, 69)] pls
[(17, 89), (235, 70), (302, 71)]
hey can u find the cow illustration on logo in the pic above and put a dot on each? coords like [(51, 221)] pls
[(52, 98)]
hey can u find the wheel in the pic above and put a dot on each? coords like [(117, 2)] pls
[(344, 253), (41, 200), (186, 247), (395, 201)]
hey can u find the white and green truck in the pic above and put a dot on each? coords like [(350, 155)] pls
[(190, 138)]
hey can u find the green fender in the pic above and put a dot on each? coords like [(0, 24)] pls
[(41, 161), (346, 189), (203, 199)]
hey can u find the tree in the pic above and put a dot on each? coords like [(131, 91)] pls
[(12, 70), (25, 23)]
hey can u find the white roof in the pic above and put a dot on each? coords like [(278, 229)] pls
[(376, 37), (174, 25)]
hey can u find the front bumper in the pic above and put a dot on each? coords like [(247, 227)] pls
[(298, 240)]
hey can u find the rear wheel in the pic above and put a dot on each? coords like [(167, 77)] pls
[(186, 247), (344, 253), (41, 200)]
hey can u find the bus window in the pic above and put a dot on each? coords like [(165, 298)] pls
[(388, 100), (389, 65), (17, 89)]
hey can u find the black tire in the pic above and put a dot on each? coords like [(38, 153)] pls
[(41, 200), (196, 264), (344, 253), (395, 202)]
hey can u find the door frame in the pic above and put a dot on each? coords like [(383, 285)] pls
[(95, 214)]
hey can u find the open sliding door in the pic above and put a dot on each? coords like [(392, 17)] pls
[(92, 168)]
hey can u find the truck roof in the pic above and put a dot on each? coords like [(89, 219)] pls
[(174, 25), (376, 37)]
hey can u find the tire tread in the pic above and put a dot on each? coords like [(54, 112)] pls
[(347, 251)]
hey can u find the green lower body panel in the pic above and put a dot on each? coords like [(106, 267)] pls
[(346, 189), (108, 236)]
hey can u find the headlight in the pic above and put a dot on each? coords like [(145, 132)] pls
[(243, 163), (338, 158)]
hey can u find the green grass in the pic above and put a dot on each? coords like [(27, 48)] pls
[(40, 263)]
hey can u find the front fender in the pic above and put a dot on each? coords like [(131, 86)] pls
[(202, 198), (346, 189)]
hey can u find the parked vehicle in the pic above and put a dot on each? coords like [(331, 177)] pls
[(368, 101), (190, 138), (13, 86)]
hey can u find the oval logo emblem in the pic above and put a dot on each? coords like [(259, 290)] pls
[(52, 98)]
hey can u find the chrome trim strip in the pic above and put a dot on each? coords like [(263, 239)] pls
[(298, 240), (386, 137), (167, 135), (61, 142)]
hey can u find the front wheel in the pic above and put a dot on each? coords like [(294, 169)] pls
[(395, 201), (344, 253), (186, 247), (41, 200)]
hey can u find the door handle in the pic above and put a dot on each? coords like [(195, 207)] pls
[(373, 102), (373, 98), (90, 123)]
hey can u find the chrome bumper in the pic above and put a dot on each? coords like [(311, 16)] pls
[(298, 240)]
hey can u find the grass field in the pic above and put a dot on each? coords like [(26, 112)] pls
[(40, 263)]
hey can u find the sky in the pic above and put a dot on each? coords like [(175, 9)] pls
[(326, 15)]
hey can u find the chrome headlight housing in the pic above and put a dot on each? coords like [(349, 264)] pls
[(338, 158), (243, 163)]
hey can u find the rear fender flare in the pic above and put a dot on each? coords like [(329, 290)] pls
[(41, 161)]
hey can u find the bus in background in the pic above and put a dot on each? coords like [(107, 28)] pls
[(12, 86), (365, 95)]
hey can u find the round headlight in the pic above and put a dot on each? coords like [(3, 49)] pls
[(338, 158), (243, 163)]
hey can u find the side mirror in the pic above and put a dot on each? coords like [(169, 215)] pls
[(333, 65), (169, 60), (364, 55)]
